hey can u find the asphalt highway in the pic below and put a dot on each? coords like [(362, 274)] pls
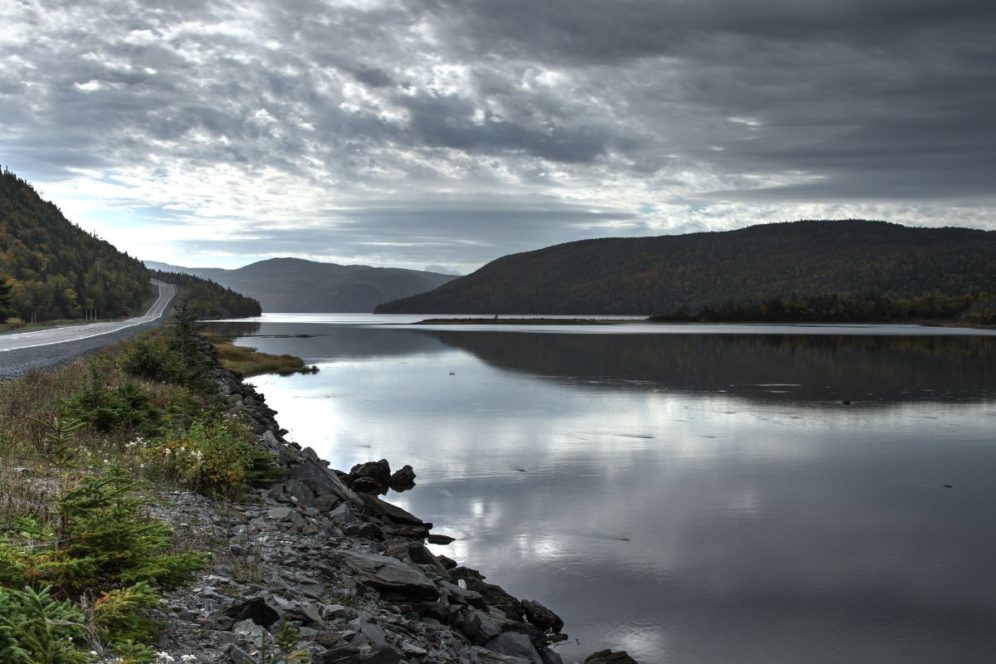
[(24, 351)]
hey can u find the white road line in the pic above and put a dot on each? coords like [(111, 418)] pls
[(166, 294)]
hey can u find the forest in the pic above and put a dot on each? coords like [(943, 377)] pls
[(973, 309), (703, 273), (51, 269), (206, 299)]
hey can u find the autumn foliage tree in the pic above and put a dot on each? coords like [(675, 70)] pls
[(55, 269)]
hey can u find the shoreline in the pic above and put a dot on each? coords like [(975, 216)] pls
[(311, 567), (352, 568)]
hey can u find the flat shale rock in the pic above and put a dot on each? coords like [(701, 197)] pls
[(390, 576), (515, 644)]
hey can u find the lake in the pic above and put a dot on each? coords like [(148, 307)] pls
[(687, 493)]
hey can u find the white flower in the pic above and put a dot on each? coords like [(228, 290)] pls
[(164, 658), (188, 658)]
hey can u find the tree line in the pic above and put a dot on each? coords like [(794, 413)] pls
[(204, 298), (977, 308)]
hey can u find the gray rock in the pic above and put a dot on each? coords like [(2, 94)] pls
[(391, 577), (542, 617), (393, 513), (462, 596), (609, 657), (447, 562), (293, 491), (515, 644), (255, 610), (352, 656), (365, 485), (441, 539), (479, 655), (476, 625), (372, 475), (403, 479), (236, 655), (493, 595), (372, 633), (320, 479), (279, 513)]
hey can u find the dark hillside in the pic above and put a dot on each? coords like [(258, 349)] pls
[(56, 269), (206, 299), (749, 265)]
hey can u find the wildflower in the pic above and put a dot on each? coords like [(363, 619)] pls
[(164, 658), (188, 658)]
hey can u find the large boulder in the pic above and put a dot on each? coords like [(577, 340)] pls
[(320, 479), (542, 617), (391, 577), (403, 479), (370, 477)]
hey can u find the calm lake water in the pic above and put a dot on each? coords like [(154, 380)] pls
[(688, 493)]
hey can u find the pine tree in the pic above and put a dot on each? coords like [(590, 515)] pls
[(5, 298)]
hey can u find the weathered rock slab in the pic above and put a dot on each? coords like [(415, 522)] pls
[(391, 576)]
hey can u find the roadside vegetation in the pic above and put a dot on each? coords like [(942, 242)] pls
[(84, 450)]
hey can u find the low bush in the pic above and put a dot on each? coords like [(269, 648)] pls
[(218, 458)]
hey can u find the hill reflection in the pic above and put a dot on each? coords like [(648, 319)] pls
[(776, 367)]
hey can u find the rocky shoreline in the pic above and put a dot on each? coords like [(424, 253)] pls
[(321, 558)]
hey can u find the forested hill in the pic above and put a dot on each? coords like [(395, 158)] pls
[(750, 265), (206, 299), (296, 285), (54, 269)]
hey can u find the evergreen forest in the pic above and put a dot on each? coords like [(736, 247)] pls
[(51, 269)]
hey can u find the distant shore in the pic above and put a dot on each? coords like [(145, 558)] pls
[(526, 321)]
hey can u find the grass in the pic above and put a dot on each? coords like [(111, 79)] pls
[(84, 449), (250, 362)]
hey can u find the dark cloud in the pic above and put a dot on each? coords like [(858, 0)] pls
[(440, 124), (411, 229)]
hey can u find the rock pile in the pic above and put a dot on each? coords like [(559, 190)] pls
[(320, 554)]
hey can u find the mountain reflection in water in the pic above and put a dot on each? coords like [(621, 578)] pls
[(689, 498)]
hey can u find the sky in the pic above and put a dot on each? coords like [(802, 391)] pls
[(448, 133)]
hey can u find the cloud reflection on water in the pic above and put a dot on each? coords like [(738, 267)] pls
[(684, 523)]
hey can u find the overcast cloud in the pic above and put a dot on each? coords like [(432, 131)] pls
[(452, 132)]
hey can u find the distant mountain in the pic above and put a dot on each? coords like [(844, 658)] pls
[(55, 269), (750, 265), (295, 285)]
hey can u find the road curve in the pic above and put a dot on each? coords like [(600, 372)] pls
[(32, 350)]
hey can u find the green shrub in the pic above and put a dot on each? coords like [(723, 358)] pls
[(36, 628), (105, 541), (155, 359), (217, 458), (123, 615), (124, 408)]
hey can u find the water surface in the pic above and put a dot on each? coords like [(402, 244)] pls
[(688, 496)]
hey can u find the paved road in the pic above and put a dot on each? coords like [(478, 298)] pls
[(32, 350)]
